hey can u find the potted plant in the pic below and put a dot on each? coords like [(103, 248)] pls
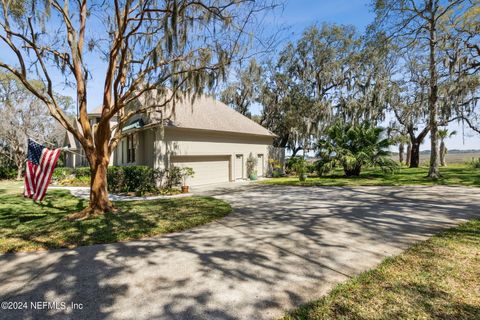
[(251, 166), (185, 173)]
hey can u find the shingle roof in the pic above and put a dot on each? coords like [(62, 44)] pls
[(207, 113)]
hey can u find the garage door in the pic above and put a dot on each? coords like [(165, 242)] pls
[(208, 169)]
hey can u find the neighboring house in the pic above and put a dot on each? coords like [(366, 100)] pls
[(207, 135)]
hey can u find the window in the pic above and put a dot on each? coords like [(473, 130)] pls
[(130, 149), (123, 151)]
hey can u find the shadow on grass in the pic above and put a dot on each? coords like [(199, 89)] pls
[(25, 225)]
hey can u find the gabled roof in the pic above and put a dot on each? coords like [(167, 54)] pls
[(207, 113)]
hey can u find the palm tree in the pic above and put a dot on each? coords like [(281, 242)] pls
[(353, 147), (442, 135)]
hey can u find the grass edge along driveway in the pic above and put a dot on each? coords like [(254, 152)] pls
[(434, 279), (454, 175), (26, 226)]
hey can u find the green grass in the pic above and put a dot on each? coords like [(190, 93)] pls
[(456, 174), (26, 226), (435, 279)]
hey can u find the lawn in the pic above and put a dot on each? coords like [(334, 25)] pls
[(26, 226), (455, 174), (435, 279)]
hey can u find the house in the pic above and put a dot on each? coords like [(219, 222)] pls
[(205, 134)]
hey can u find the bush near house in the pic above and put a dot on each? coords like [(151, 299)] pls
[(8, 173), (122, 179)]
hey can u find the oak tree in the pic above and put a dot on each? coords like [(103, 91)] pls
[(166, 49)]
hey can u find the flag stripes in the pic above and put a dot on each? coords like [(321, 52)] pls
[(40, 165)]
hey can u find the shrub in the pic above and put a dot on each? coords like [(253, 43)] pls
[(75, 182), (62, 173), (8, 173), (300, 166), (475, 163), (139, 179), (276, 167), (324, 166), (116, 179), (310, 167), (173, 178), (292, 163), (82, 172), (353, 147)]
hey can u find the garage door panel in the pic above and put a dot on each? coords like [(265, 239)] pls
[(208, 169)]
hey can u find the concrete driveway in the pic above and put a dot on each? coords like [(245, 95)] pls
[(281, 247)]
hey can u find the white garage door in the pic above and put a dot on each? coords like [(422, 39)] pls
[(208, 169)]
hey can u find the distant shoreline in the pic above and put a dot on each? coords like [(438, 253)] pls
[(452, 151)]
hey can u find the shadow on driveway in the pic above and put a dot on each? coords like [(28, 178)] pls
[(282, 246)]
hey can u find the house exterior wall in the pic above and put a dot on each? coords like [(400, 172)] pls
[(160, 147), (75, 158), (188, 142)]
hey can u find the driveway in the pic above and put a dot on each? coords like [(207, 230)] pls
[(281, 247)]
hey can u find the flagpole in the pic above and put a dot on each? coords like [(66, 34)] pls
[(53, 145)]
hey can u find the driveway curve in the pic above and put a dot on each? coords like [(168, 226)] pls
[(282, 246)]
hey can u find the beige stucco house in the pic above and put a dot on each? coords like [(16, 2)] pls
[(206, 135)]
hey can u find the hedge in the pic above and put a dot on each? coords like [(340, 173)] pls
[(8, 173), (138, 179)]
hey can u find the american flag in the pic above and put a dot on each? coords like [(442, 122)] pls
[(40, 164)]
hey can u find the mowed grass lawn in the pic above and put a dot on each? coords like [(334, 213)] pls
[(455, 174), (26, 226), (435, 279)]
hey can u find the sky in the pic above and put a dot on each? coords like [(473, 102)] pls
[(292, 18)]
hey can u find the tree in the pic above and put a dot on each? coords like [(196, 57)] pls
[(24, 115), (154, 51), (408, 104), (242, 93), (330, 73), (399, 136), (418, 23), (353, 147), (444, 134)]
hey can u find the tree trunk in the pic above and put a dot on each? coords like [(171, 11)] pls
[(401, 148), (433, 171), (415, 154), (295, 151), (443, 152), (414, 144), (409, 154), (99, 202), (19, 172), (352, 172)]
